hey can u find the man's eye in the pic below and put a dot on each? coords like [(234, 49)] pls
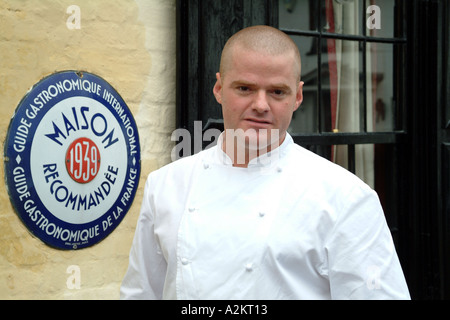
[(244, 88), (278, 92)]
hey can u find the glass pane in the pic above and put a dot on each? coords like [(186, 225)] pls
[(343, 16), (299, 14), (374, 18), (380, 18), (342, 86), (380, 87), (304, 119)]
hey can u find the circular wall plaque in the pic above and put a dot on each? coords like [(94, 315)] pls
[(72, 159)]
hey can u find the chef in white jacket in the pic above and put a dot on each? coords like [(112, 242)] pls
[(257, 216)]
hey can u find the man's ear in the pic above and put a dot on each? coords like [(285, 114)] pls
[(299, 96), (217, 90)]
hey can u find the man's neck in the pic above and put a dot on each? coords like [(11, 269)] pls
[(241, 154)]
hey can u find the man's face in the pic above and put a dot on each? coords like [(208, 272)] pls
[(259, 93)]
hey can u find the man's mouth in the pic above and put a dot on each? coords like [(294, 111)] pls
[(258, 121)]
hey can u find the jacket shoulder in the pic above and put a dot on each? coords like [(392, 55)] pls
[(178, 170)]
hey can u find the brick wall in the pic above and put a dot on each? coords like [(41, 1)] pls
[(130, 44)]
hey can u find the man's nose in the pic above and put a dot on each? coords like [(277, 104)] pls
[(260, 103)]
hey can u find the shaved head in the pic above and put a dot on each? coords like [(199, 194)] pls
[(264, 40)]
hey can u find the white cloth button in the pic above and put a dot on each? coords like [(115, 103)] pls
[(191, 209), (249, 267), (279, 169), (205, 165), (262, 214), (184, 261)]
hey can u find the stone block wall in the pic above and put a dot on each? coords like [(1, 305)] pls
[(130, 44)]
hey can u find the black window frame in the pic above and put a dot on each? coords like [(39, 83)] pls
[(351, 139)]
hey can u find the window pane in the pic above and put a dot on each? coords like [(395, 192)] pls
[(380, 20), (336, 16), (343, 16), (380, 87), (299, 14), (305, 118), (342, 87), (374, 18)]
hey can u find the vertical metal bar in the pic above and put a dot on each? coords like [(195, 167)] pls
[(363, 112), (363, 106), (319, 68), (351, 158), (363, 19)]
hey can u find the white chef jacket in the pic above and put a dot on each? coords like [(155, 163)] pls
[(290, 226)]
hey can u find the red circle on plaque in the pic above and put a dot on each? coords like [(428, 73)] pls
[(83, 160)]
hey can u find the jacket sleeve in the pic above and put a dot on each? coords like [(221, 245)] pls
[(147, 267), (362, 260)]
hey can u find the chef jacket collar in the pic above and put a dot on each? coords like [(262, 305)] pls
[(268, 159)]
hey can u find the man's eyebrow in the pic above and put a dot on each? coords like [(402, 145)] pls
[(238, 83), (279, 86), (282, 86)]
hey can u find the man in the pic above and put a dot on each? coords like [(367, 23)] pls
[(257, 216)]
